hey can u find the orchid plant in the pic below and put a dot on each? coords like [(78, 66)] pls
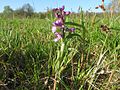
[(59, 24), (61, 31)]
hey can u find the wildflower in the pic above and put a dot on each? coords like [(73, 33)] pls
[(58, 37), (60, 13), (54, 28), (71, 29), (63, 7), (60, 23), (96, 7), (105, 28), (101, 6), (67, 13)]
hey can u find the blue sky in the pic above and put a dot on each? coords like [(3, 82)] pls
[(41, 5)]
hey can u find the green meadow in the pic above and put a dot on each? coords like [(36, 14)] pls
[(88, 60)]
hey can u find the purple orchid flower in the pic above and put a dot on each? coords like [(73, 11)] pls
[(58, 37), (60, 13), (55, 9), (59, 23), (67, 13), (54, 28), (71, 29), (61, 9)]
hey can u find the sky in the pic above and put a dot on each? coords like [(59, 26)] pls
[(42, 5)]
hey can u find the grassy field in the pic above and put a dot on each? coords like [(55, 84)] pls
[(89, 59)]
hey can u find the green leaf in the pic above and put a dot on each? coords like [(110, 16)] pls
[(72, 23), (73, 35)]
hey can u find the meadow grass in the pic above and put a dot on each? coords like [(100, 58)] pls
[(88, 60)]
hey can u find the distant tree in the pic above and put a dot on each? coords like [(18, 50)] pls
[(19, 12), (114, 5), (7, 10), (27, 9)]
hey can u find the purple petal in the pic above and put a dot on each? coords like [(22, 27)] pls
[(67, 13), (72, 29), (57, 15), (55, 9), (54, 29), (58, 23), (58, 37), (61, 9)]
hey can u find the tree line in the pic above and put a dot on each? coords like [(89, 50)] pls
[(27, 11)]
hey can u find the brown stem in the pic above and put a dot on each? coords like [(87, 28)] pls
[(72, 86), (110, 78), (54, 88), (82, 60)]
